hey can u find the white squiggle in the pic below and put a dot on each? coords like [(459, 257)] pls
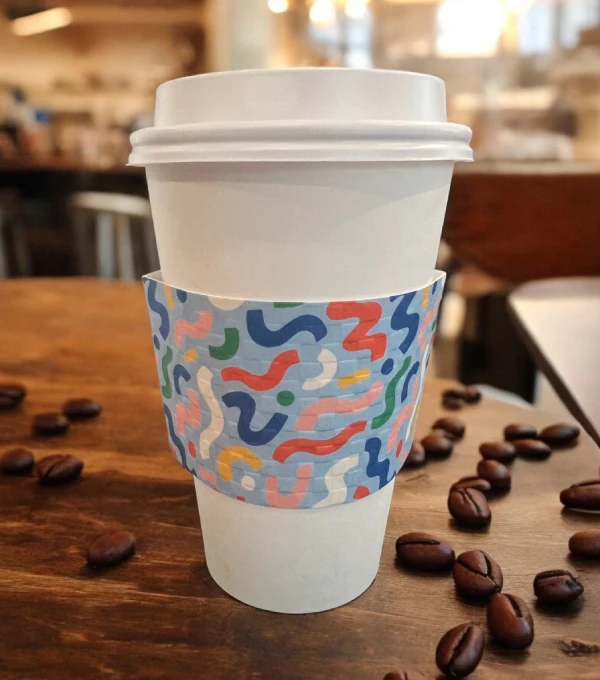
[(334, 481), (209, 435), (225, 304), (413, 419), (329, 363)]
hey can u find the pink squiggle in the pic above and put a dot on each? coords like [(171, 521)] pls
[(402, 417), (187, 416), (311, 414), (208, 476), (294, 498), (429, 317), (197, 330)]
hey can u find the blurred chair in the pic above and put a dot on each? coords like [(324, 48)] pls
[(121, 233), (13, 242), (559, 321)]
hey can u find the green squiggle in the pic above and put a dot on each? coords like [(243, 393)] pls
[(284, 305), (166, 389), (229, 348), (390, 397)]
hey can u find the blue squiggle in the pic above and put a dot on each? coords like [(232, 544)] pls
[(159, 308), (247, 407), (175, 438), (402, 319), (375, 467), (265, 337), (179, 372), (413, 371)]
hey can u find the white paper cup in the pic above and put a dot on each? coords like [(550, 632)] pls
[(300, 185)]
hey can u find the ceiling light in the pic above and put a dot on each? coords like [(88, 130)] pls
[(322, 12), (40, 22), (356, 9), (278, 6)]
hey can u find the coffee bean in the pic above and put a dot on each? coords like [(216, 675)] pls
[(477, 575), (469, 508), (586, 544), (11, 395), (437, 446), (516, 431), (559, 435), (48, 424), (532, 449), (404, 675), (557, 587), (422, 551), (110, 549), (455, 393), (472, 395), (504, 452), (17, 461), (582, 496), (452, 404), (509, 621), (443, 433), (416, 456), (453, 426), (80, 409), (497, 475), (58, 469), (460, 650), (472, 483)]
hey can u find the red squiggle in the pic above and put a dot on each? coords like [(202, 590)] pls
[(429, 317), (208, 476), (293, 499), (187, 416), (199, 329), (270, 379), (192, 449), (368, 314), (402, 417), (318, 447)]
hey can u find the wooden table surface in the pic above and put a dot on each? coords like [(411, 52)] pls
[(160, 615)]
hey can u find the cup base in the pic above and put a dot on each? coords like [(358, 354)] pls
[(293, 561)]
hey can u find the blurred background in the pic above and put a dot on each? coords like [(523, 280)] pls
[(78, 76)]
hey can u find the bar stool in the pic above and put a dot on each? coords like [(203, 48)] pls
[(112, 217), (12, 234)]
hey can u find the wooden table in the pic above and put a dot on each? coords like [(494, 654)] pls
[(160, 615)]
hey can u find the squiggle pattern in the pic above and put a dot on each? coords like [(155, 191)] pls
[(225, 304), (353, 378), (155, 306), (187, 416), (402, 319), (318, 447), (277, 370), (166, 388), (377, 468), (368, 314), (293, 499), (229, 347), (265, 337), (232, 454), (337, 489), (401, 418), (390, 397), (247, 406), (210, 434), (198, 330), (307, 420), (179, 372), (328, 368), (177, 443)]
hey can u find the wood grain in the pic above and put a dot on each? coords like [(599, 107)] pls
[(160, 615)]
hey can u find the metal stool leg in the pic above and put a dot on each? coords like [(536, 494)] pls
[(105, 245), (125, 248)]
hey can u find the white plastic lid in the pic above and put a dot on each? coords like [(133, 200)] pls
[(308, 114)]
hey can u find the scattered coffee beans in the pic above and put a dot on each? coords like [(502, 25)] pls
[(477, 575), (516, 431), (469, 508), (58, 469), (452, 426), (586, 544), (416, 456), (557, 587), (472, 395), (452, 404), (17, 461), (460, 650), (532, 449), (80, 409), (454, 393), (437, 446), (405, 675), (11, 395), (504, 452), (582, 496), (497, 475), (110, 549), (48, 424), (559, 435), (422, 551), (509, 621), (472, 483)]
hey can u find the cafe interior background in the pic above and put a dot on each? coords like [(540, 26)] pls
[(78, 76)]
